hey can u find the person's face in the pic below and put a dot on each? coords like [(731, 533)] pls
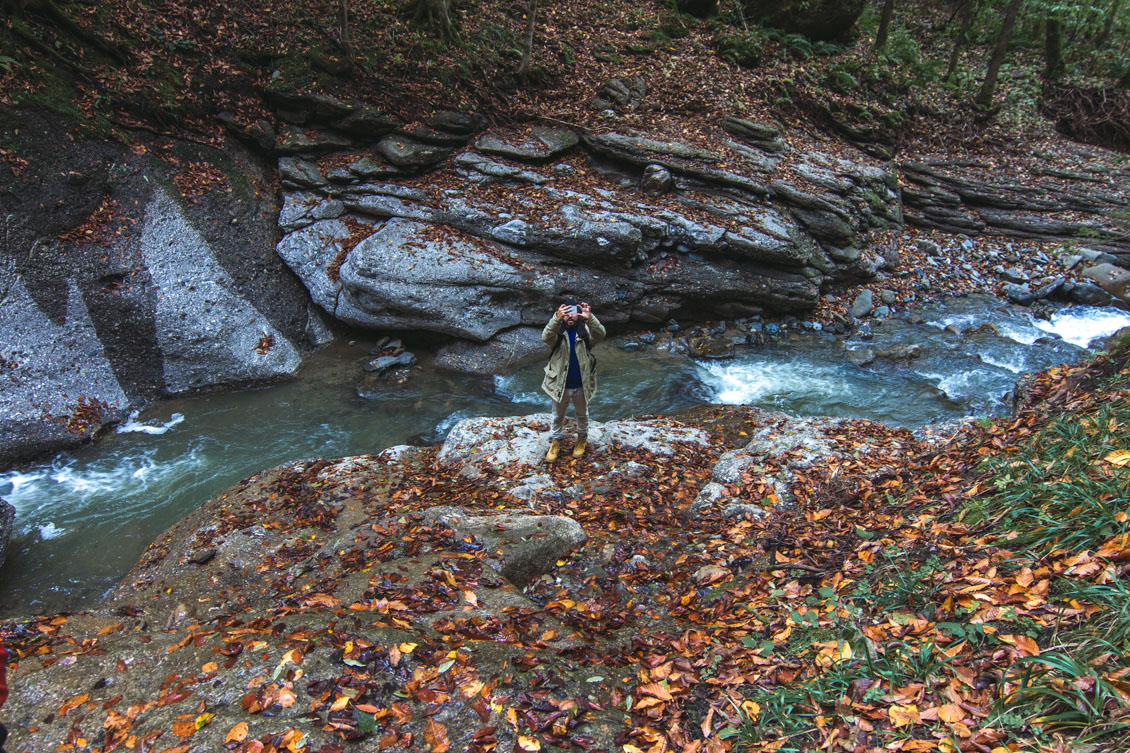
[(571, 319)]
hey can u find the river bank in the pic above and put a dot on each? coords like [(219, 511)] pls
[(668, 586)]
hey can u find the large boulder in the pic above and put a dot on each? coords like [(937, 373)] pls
[(208, 334), (1113, 279), (118, 288), (818, 19), (526, 545)]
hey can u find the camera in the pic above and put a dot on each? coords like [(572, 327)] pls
[(572, 310)]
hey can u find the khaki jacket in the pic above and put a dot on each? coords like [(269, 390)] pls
[(557, 370)]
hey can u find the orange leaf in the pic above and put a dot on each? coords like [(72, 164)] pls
[(73, 703), (184, 728), (237, 734), (1023, 643), (436, 736), (950, 713), (655, 690)]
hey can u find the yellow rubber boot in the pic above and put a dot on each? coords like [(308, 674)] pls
[(579, 448), (554, 451)]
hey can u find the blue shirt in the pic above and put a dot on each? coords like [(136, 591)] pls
[(573, 380)]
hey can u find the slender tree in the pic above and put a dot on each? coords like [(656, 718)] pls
[(1053, 48), (528, 46), (967, 12), (343, 34), (985, 96), (884, 24), (1108, 24)]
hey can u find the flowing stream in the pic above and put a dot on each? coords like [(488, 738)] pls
[(84, 517)]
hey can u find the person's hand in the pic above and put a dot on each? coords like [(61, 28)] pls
[(562, 312), (586, 312)]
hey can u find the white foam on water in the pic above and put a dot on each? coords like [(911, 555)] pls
[(1019, 331), (959, 385), (132, 425), (18, 482), (1014, 362), (447, 424), (49, 530), (504, 386), (67, 484), (1082, 325), (739, 383), (961, 322), (86, 481)]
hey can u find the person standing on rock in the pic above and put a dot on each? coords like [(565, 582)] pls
[(570, 375)]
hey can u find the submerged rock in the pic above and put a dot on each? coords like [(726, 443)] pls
[(7, 520)]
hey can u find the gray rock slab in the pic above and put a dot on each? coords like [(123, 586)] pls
[(406, 276), (507, 445), (300, 172), (863, 304), (528, 545), (403, 152), (47, 366), (7, 520), (207, 332), (542, 144)]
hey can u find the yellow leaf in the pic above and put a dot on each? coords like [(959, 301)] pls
[(210, 667), (407, 648), (902, 716), (529, 744), (751, 708), (1118, 457)]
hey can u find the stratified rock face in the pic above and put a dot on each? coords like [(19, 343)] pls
[(818, 19), (1040, 199), (483, 243)]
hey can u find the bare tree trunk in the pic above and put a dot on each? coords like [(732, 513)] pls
[(343, 35), (985, 96), (1053, 49), (884, 24), (437, 14), (528, 48), (967, 11)]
